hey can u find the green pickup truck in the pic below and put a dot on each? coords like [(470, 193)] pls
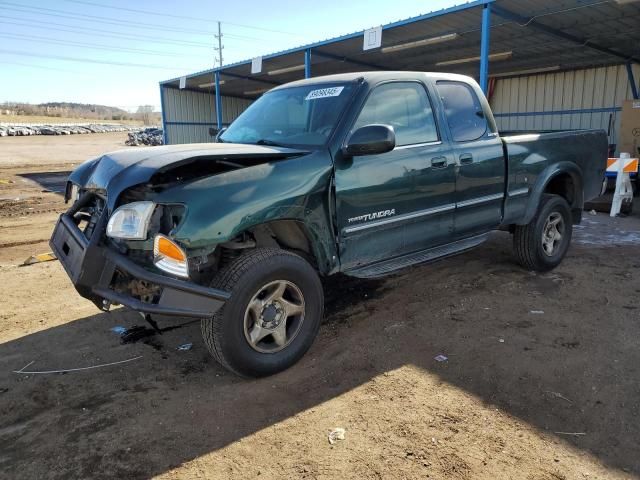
[(363, 174)]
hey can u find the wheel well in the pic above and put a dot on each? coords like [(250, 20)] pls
[(564, 186), (288, 235), (285, 234)]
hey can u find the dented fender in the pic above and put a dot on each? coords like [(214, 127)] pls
[(220, 207)]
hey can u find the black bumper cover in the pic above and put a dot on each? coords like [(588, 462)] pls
[(91, 268)]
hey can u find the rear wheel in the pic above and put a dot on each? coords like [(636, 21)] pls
[(273, 314), (542, 244)]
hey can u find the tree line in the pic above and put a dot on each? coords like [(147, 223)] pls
[(144, 113)]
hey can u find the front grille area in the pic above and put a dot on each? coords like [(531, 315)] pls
[(87, 217)]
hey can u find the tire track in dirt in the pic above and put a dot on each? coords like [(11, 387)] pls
[(25, 242)]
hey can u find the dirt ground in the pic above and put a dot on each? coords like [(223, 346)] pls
[(542, 379)]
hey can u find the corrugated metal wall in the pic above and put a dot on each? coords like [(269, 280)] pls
[(563, 100), (188, 115)]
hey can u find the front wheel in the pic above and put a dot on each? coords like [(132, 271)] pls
[(273, 314), (542, 244)]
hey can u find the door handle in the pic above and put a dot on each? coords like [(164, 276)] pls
[(466, 159), (439, 162)]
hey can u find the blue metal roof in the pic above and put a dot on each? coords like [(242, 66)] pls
[(530, 35), (349, 36)]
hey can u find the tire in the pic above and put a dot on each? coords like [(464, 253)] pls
[(535, 252), (256, 278)]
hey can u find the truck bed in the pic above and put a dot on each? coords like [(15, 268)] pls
[(536, 157)]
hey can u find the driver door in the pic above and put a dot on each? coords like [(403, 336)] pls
[(401, 201)]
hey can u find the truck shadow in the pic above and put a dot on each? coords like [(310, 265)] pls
[(147, 416), (49, 181)]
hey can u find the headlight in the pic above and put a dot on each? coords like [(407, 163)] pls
[(131, 221), (168, 256)]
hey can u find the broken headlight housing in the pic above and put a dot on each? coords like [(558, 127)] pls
[(131, 221), (74, 193)]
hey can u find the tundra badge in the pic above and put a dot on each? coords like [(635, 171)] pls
[(373, 216)]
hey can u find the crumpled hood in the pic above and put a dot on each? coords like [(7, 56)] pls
[(114, 172)]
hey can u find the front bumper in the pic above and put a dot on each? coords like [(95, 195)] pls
[(92, 267)]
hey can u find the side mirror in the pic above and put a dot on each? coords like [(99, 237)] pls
[(212, 131), (371, 140)]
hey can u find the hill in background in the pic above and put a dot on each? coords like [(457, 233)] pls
[(21, 112)]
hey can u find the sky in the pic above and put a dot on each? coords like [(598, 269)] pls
[(114, 52)]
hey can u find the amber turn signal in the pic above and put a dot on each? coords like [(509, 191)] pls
[(163, 246), (168, 256)]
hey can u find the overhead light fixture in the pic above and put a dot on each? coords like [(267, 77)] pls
[(210, 84), (286, 70), (420, 43), (493, 56), (530, 71), (256, 92)]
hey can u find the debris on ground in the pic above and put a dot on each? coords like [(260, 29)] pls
[(185, 347), (41, 257), (574, 434), (593, 212), (336, 434), (501, 340), (119, 330), (441, 358), (558, 395), (537, 312), (67, 370), (149, 136)]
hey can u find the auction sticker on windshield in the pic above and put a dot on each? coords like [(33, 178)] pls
[(324, 93)]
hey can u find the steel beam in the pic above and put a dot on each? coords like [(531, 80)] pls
[(339, 58), (218, 101), (519, 19), (246, 77), (632, 81), (163, 110), (307, 63), (484, 48)]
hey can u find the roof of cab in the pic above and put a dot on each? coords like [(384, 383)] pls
[(375, 77)]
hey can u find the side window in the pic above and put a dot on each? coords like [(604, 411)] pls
[(405, 106), (463, 111)]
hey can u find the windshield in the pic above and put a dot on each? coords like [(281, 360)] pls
[(297, 116)]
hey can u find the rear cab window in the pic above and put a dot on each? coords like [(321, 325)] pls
[(405, 106), (463, 111)]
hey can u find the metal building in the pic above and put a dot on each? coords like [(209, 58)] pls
[(565, 100), (188, 114), (544, 64)]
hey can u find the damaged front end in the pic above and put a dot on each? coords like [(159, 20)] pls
[(150, 229), (107, 271)]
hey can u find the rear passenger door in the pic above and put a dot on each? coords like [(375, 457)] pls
[(480, 165), (400, 201)]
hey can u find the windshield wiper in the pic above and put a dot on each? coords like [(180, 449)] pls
[(270, 143)]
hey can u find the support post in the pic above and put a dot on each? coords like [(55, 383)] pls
[(307, 63), (218, 101), (632, 81), (484, 47), (163, 110)]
